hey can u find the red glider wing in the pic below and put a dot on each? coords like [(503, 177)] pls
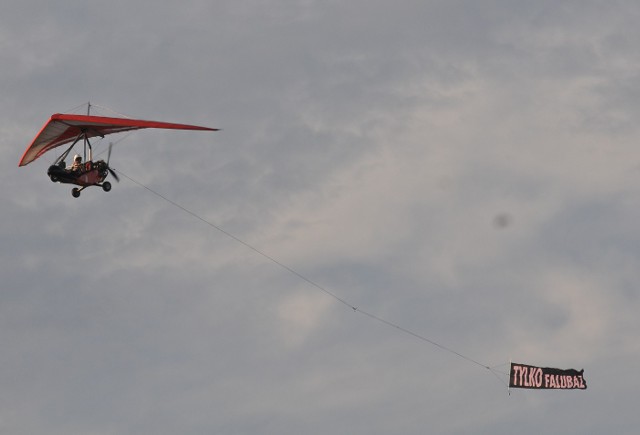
[(62, 129)]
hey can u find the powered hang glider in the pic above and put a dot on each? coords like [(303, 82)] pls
[(62, 129)]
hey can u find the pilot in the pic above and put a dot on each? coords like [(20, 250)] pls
[(77, 163)]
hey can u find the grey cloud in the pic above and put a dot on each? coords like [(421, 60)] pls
[(369, 146)]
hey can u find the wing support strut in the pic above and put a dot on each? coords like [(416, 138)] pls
[(84, 136), (66, 153)]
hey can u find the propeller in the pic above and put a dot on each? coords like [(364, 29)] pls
[(111, 171)]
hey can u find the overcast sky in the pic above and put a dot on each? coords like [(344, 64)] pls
[(466, 170)]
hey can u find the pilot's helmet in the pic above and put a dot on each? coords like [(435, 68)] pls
[(77, 158)]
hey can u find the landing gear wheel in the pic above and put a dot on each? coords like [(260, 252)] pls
[(75, 192), (106, 186)]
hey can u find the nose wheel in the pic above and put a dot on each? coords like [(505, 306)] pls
[(75, 192)]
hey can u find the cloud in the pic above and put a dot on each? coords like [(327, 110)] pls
[(300, 314), (463, 170)]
